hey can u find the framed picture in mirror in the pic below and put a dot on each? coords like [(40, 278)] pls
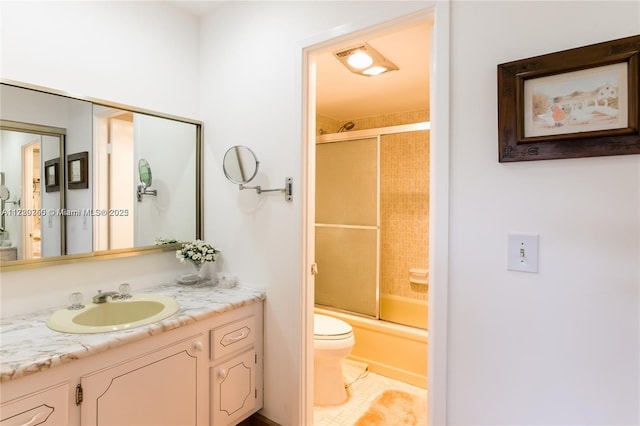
[(77, 170), (52, 175)]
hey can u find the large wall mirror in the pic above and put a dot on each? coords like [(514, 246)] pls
[(75, 178)]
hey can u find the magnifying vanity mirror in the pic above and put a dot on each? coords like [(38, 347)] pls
[(240, 166), (79, 165), (4, 193), (144, 171)]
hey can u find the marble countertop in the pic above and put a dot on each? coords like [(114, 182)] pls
[(28, 346)]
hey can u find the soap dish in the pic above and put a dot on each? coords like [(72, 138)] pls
[(189, 279)]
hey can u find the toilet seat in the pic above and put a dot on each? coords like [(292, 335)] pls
[(329, 328)]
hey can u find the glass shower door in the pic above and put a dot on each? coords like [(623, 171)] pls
[(347, 225)]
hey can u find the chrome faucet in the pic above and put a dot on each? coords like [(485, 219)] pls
[(102, 297)]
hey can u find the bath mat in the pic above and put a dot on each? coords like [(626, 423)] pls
[(395, 408)]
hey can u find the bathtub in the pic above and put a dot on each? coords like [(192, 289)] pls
[(404, 310), (389, 349)]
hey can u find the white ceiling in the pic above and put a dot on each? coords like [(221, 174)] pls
[(345, 96), (197, 8)]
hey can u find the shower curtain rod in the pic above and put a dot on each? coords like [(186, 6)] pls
[(367, 133)]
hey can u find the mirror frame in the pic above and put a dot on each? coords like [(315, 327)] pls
[(18, 265)]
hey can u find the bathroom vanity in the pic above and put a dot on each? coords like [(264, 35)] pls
[(203, 365)]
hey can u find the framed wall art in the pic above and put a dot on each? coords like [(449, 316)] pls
[(78, 170), (52, 175), (580, 102)]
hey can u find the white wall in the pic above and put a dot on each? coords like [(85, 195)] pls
[(560, 346), (138, 53), (143, 54), (251, 95), (557, 347)]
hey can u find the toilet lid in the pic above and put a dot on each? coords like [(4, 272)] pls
[(326, 327)]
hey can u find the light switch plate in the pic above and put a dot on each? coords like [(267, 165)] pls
[(522, 252)]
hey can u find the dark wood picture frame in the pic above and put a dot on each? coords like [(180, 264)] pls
[(52, 175), (513, 142), (78, 170)]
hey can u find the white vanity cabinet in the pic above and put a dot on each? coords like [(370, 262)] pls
[(160, 388), (206, 372), (234, 389)]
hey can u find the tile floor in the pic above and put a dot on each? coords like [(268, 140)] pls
[(364, 389)]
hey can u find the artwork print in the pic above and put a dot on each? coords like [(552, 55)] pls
[(589, 100)]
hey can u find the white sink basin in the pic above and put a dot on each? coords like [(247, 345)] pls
[(114, 315)]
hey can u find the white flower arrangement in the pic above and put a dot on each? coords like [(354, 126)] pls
[(164, 241), (197, 252)]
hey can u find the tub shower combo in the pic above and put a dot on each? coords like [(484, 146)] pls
[(372, 244)]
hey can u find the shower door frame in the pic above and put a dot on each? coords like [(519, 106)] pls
[(348, 137), (355, 135)]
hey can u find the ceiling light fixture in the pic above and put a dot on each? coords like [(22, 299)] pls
[(365, 60)]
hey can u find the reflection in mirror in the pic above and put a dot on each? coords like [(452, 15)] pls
[(4, 193), (144, 170), (4, 196), (31, 222), (124, 139), (104, 215), (240, 164)]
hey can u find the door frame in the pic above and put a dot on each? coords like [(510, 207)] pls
[(439, 12)]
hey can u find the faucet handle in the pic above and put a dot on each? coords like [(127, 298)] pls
[(125, 291)]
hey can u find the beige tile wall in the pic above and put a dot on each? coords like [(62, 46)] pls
[(326, 124), (404, 212)]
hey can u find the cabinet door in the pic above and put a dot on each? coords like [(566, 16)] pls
[(233, 389), (156, 389), (46, 407)]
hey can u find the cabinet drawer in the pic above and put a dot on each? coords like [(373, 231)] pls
[(48, 406), (231, 337)]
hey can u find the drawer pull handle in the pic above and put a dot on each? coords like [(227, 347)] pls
[(37, 419), (232, 338)]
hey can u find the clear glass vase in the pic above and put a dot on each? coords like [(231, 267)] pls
[(193, 278), (198, 266)]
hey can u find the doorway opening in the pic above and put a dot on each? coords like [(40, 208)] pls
[(339, 113), (114, 168), (31, 230)]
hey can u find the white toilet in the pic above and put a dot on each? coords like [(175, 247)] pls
[(332, 342)]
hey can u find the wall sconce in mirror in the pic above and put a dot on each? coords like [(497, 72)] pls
[(78, 170), (240, 166), (146, 178)]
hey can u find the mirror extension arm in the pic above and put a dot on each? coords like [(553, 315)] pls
[(288, 189)]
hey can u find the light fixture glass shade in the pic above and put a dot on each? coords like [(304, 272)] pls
[(365, 60), (375, 70), (359, 60)]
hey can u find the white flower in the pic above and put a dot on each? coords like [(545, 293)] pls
[(197, 251), (162, 241)]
